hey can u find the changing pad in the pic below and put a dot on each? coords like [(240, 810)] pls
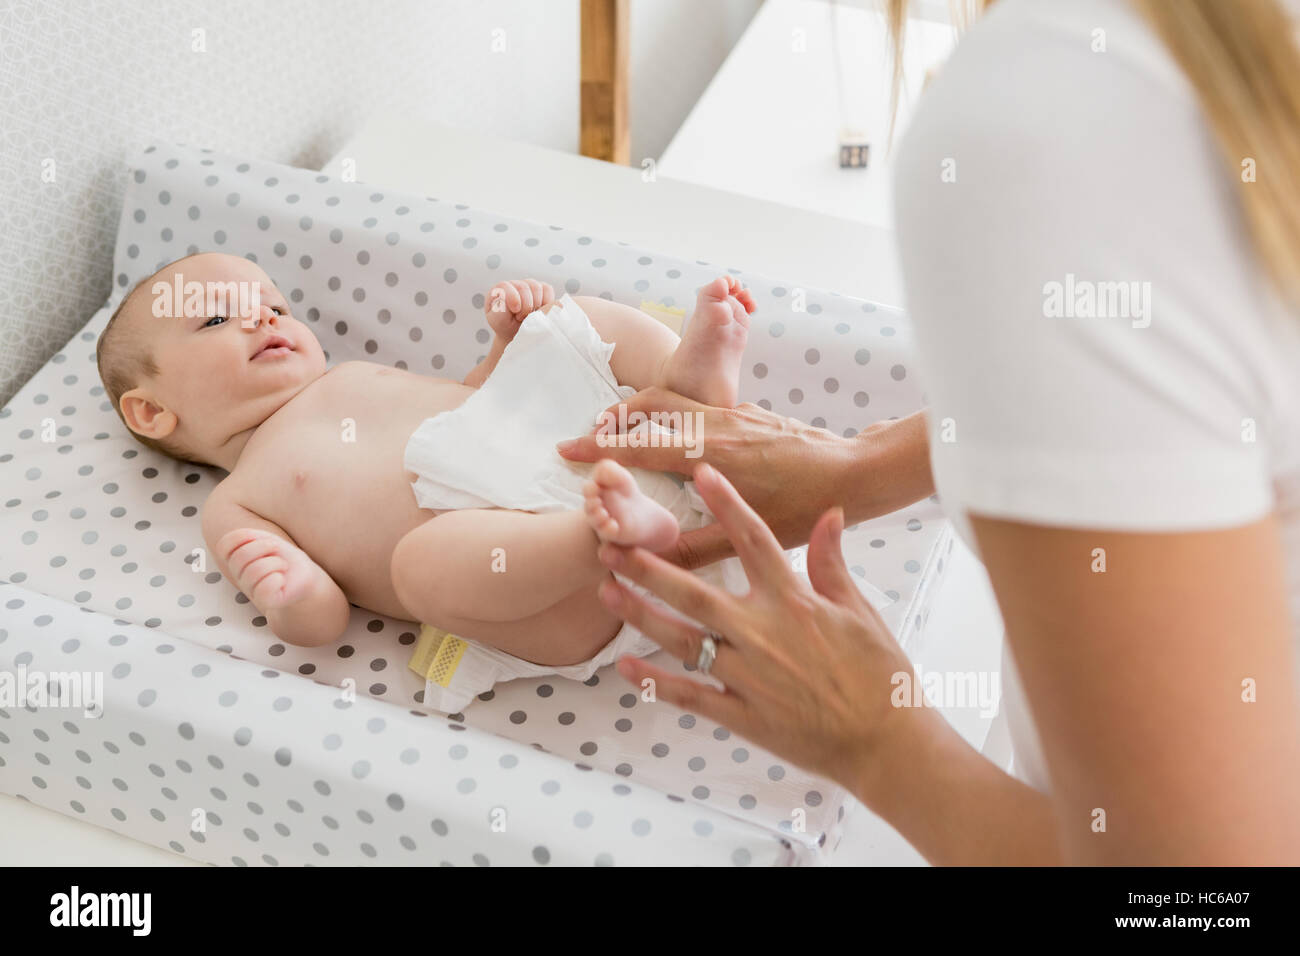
[(94, 522)]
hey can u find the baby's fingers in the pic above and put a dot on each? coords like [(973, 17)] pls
[(545, 294), (240, 546), (503, 298), (525, 293), (268, 593)]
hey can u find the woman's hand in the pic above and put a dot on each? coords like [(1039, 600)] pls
[(789, 472), (764, 453), (808, 671)]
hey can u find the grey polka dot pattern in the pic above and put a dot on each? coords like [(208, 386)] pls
[(277, 793), (110, 530)]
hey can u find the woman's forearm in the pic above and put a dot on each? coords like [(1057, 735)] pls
[(942, 795), (889, 469), (952, 803)]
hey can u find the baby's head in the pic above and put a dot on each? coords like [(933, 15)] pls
[(191, 359)]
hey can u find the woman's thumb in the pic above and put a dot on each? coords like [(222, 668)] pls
[(826, 569)]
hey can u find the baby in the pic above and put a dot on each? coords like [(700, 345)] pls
[(306, 522)]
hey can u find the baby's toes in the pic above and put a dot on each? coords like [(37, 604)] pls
[(597, 515), (611, 476), (719, 288)]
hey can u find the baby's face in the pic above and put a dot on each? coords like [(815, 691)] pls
[(224, 365)]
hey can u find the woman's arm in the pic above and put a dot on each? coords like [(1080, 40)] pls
[(1162, 680), (1163, 686), (810, 674), (879, 470), (950, 802)]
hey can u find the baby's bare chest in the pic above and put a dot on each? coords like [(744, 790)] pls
[(328, 468)]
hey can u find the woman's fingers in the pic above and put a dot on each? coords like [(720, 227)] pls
[(826, 568), (596, 447), (711, 606), (755, 544), (691, 696), (644, 404), (701, 547), (679, 638), (604, 440)]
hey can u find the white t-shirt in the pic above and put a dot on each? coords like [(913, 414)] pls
[(1093, 328)]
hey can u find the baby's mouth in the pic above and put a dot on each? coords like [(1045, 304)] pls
[(274, 346)]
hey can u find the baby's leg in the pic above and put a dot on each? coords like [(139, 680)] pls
[(494, 566), (705, 365), (570, 631), (642, 344), (523, 583)]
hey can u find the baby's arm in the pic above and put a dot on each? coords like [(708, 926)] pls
[(302, 604), (479, 373), (507, 305)]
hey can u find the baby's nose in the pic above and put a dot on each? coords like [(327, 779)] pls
[(255, 318)]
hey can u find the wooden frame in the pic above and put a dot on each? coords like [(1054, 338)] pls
[(603, 126)]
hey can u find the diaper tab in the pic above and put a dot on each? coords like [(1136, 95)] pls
[(437, 655)]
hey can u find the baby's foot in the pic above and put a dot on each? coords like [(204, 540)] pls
[(706, 365), (619, 511)]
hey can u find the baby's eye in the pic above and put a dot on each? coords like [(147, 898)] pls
[(277, 310), (216, 318)]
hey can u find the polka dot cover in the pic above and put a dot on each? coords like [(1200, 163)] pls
[(327, 755)]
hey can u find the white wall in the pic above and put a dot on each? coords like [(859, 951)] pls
[(676, 47), (84, 84)]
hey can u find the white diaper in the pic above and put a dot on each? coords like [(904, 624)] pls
[(497, 450)]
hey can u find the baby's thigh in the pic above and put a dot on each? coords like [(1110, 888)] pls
[(570, 631)]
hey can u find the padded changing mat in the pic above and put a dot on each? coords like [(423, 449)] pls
[(94, 520)]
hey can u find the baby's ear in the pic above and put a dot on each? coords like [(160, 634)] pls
[(144, 416)]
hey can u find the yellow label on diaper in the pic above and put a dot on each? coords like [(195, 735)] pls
[(437, 655), (672, 317)]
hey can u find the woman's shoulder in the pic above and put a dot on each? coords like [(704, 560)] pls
[(1041, 88), (1084, 289), (1060, 151)]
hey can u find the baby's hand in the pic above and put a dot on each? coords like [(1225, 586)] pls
[(271, 571), (512, 301)]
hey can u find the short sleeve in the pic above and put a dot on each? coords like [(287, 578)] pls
[(1094, 333)]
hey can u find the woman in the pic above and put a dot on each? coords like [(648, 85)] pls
[(1099, 222)]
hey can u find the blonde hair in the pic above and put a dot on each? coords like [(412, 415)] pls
[(1242, 59)]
